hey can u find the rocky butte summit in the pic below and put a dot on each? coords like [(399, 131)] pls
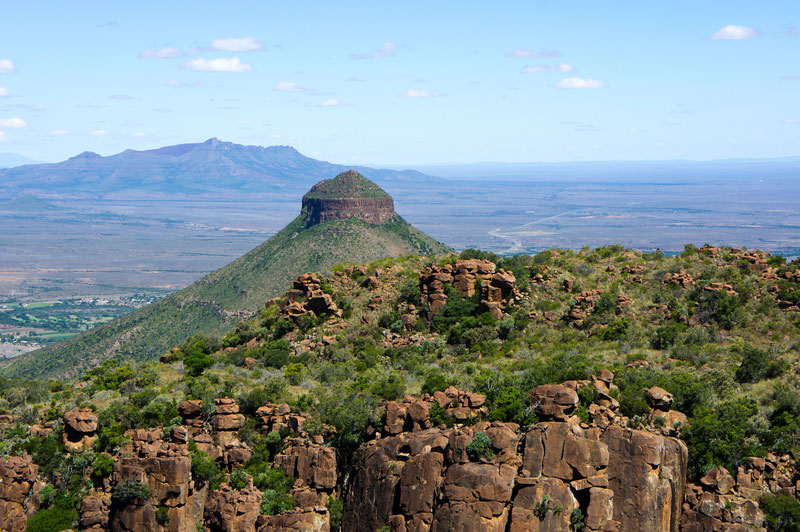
[(347, 219)]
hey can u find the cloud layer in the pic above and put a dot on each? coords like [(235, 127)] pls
[(162, 53), (581, 83), (290, 86), (224, 64), (4, 92), (734, 33), (13, 123), (527, 53), (413, 93), (233, 44), (7, 66), (541, 68)]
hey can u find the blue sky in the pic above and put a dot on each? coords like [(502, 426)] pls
[(405, 82)]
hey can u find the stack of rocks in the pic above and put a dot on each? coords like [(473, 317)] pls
[(80, 429)]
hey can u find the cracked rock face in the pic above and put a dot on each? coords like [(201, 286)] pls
[(427, 480)]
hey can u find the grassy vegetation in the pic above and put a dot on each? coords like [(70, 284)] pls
[(243, 285), (732, 363), (346, 185)]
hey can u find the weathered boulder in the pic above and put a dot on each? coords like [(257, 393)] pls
[(79, 429), (659, 398)]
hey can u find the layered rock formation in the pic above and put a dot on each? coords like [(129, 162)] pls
[(545, 478), (348, 195)]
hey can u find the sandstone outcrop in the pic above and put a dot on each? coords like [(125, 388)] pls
[(306, 298), (413, 413), (497, 288), (79, 430), (428, 480), (18, 491)]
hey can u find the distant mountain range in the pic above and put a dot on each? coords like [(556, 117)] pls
[(209, 168), (7, 160)]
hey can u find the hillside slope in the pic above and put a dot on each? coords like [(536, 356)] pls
[(211, 304)]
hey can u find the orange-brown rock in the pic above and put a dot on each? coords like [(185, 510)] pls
[(18, 499), (680, 278), (659, 398), (302, 520), (228, 510), (553, 402), (79, 429), (313, 465)]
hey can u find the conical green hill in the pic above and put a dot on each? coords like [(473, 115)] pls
[(212, 304)]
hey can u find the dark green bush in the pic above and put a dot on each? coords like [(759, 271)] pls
[(435, 382), (130, 491), (722, 435), (480, 447), (204, 469), (782, 512), (757, 365), (53, 520), (336, 512)]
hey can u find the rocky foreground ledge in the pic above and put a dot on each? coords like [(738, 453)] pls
[(562, 474)]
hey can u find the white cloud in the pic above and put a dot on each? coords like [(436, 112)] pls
[(140, 135), (541, 68), (734, 33), (331, 102), (526, 53), (790, 78), (162, 53), (388, 49), (175, 84), (413, 93), (3, 136), (7, 66), (290, 86), (98, 133), (792, 31), (790, 121), (60, 132), (224, 64), (580, 83), (121, 97), (4, 92), (231, 44), (13, 123)]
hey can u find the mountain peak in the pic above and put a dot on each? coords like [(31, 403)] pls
[(348, 195)]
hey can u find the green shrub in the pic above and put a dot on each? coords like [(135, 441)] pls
[(757, 365), (274, 502), (782, 512), (336, 512), (102, 466), (480, 447), (438, 416), (130, 491), (722, 435), (389, 388), (204, 469), (53, 520), (435, 382), (238, 479)]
